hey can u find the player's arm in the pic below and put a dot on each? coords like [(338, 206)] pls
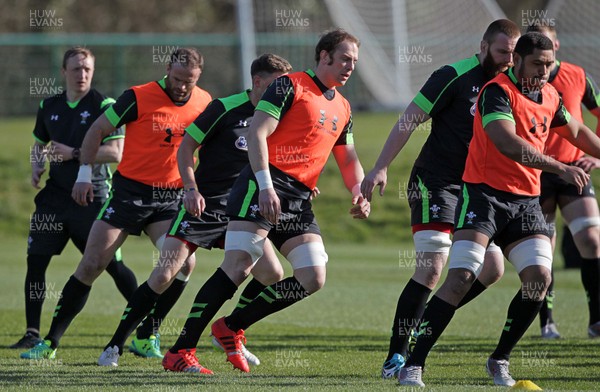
[(352, 174), (192, 199), (263, 125), (37, 153), (111, 150), (581, 137), (274, 104), (37, 157), (435, 95), (117, 115), (499, 125), (197, 134), (591, 100), (412, 117)]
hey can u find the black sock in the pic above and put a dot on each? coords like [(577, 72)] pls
[(590, 277), (521, 313), (73, 299), (409, 310), (252, 290), (163, 305), (547, 305), (272, 299), (35, 290), (123, 276), (212, 295), (436, 318), (476, 288), (137, 308)]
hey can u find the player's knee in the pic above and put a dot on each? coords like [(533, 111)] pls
[(582, 223), (535, 282), (249, 244), (309, 254), (311, 279), (493, 267), (270, 276), (432, 241), (532, 252), (588, 241), (308, 261), (467, 255), (91, 266), (460, 281)]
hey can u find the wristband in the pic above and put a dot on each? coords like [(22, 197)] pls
[(190, 189), (356, 190), (85, 174), (263, 178)]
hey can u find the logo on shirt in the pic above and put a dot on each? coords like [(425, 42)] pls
[(435, 209), (84, 117), (470, 216), (241, 143), (54, 117), (475, 89), (324, 118), (543, 125), (171, 134), (473, 109), (108, 212), (242, 124)]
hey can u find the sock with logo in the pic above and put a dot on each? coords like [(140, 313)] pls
[(476, 288), (590, 277), (73, 299), (521, 313), (164, 304), (547, 305), (409, 310), (436, 318), (35, 290), (140, 305), (212, 295), (251, 291), (273, 298)]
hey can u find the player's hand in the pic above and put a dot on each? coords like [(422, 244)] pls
[(376, 177), (576, 176), (59, 152), (82, 193), (269, 205), (193, 202), (315, 192), (36, 175), (361, 207), (588, 163)]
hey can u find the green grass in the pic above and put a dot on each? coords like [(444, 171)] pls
[(335, 340)]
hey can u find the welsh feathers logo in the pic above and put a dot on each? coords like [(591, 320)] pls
[(470, 216), (241, 143)]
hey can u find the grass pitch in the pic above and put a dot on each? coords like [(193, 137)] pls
[(335, 340)]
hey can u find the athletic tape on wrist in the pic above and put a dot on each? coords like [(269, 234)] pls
[(84, 174), (263, 178)]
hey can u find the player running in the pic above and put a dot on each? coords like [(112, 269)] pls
[(61, 124), (147, 184), (499, 200), (448, 98), (299, 121), (220, 134), (579, 210)]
